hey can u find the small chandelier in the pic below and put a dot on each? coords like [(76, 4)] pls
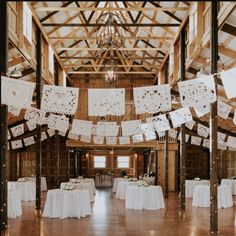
[(110, 68), (110, 32)]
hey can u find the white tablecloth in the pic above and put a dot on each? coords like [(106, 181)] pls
[(14, 208), (150, 198), (231, 182), (63, 204), (201, 196), (115, 183), (26, 189), (103, 180), (92, 182), (191, 184), (121, 188), (43, 182), (82, 185)]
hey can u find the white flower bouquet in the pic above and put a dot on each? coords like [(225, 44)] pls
[(69, 186), (80, 177), (197, 179), (21, 180)]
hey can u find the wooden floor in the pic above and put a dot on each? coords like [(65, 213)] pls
[(109, 217)]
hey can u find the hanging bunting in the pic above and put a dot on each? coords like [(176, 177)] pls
[(223, 109), (196, 140), (102, 102), (234, 119), (221, 137), (124, 140), (202, 110), (203, 130), (160, 123), (43, 136), (180, 116), (17, 93), (152, 99), (229, 82), (222, 146), (186, 137), (17, 130), (107, 129), (98, 139), (16, 144), (190, 124), (31, 126), (58, 99), (14, 110), (148, 131), (161, 134), (51, 132), (82, 127), (29, 141), (173, 133), (85, 139), (35, 115), (231, 141), (197, 92), (137, 138), (206, 143), (72, 136), (58, 122), (131, 127), (111, 140)]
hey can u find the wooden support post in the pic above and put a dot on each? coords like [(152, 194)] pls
[(68, 164), (166, 146), (182, 140), (57, 156), (38, 129), (76, 163), (156, 166), (213, 123), (80, 163), (3, 115)]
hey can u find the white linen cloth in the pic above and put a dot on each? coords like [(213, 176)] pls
[(115, 183), (201, 196), (91, 181), (150, 198), (122, 186), (14, 208), (64, 203), (43, 182), (81, 185), (26, 189), (230, 182), (191, 184), (103, 180)]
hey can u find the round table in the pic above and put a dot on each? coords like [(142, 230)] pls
[(191, 184), (67, 203), (150, 198), (14, 208), (201, 196), (231, 182), (115, 183)]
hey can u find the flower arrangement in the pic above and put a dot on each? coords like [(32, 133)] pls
[(197, 179), (74, 181), (69, 186), (144, 184), (80, 177), (133, 179), (21, 180)]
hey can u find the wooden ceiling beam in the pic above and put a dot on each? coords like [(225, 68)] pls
[(27, 71), (229, 29), (166, 12), (62, 38), (101, 25), (16, 61), (121, 57), (54, 12), (112, 9), (118, 72)]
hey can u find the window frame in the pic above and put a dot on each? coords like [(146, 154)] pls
[(121, 167), (94, 161)]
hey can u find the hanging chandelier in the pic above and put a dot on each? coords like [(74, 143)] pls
[(111, 69), (110, 32)]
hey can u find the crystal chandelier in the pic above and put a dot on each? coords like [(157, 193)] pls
[(109, 32)]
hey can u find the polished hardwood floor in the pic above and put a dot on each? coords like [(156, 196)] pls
[(109, 217)]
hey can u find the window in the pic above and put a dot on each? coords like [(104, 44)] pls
[(123, 161), (99, 161)]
